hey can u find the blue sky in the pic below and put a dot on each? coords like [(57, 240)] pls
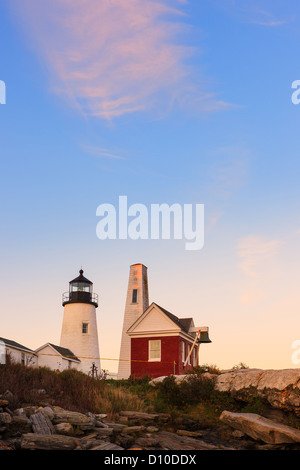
[(186, 106)]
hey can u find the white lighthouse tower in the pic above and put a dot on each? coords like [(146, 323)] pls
[(137, 301), (79, 329)]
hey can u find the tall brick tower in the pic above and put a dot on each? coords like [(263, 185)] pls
[(137, 301)]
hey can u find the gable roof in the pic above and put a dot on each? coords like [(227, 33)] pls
[(14, 344), (182, 323), (64, 352)]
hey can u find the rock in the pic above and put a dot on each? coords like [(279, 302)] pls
[(100, 416), (64, 428), (152, 429), (21, 424), (76, 419), (171, 441), (47, 411), (147, 442), (104, 432), (99, 424), (279, 388), (183, 432), (8, 396), (19, 412), (133, 429), (5, 418), (260, 428), (115, 426), (238, 434), (107, 446), (30, 410), (137, 415), (43, 442), (41, 424)]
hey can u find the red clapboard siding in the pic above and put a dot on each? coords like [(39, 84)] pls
[(170, 352)]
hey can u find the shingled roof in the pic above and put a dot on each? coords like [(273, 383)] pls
[(14, 344), (183, 323), (65, 352)]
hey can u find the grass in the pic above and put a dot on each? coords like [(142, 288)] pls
[(69, 389), (192, 399)]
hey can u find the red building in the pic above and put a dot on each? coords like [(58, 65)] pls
[(163, 344)]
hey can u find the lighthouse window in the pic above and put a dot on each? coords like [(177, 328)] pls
[(134, 296), (85, 327), (80, 287)]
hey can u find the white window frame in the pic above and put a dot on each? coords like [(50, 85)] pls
[(154, 359), (183, 351), (188, 352)]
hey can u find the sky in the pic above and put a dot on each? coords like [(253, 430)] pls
[(175, 102)]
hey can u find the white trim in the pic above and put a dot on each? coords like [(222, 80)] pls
[(146, 334), (154, 359), (154, 306)]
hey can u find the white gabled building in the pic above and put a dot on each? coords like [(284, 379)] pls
[(17, 353), (56, 357)]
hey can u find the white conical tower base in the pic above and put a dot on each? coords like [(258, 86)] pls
[(138, 280), (84, 345)]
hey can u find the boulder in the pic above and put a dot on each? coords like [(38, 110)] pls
[(279, 388), (260, 428), (64, 428), (73, 417), (5, 418)]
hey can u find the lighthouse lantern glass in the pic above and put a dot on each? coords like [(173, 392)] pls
[(80, 287)]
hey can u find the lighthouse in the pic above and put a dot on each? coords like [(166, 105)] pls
[(79, 329), (137, 301)]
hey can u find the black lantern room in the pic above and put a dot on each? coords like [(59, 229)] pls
[(80, 291)]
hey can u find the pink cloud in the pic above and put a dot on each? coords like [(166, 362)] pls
[(113, 57)]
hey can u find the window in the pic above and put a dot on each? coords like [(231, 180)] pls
[(183, 351), (189, 350), (154, 350), (85, 328), (194, 357), (23, 358), (134, 296)]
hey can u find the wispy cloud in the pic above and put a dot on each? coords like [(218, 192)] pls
[(115, 57), (101, 152), (268, 13), (257, 253)]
